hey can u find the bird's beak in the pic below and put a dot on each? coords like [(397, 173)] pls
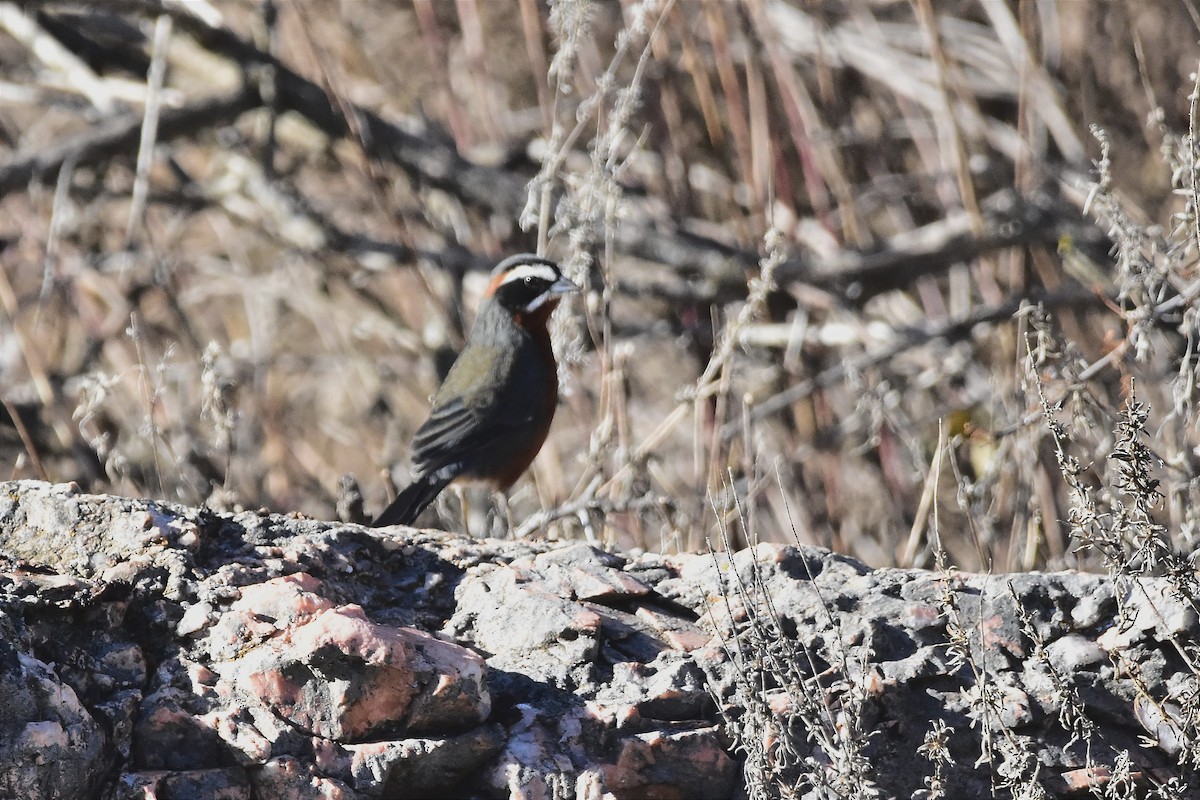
[(563, 285)]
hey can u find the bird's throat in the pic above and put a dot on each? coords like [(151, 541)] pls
[(536, 320)]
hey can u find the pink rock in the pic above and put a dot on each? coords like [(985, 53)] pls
[(587, 573), (684, 765), (286, 778), (334, 673), (999, 634), (1090, 779), (231, 725), (593, 584), (681, 634), (265, 609)]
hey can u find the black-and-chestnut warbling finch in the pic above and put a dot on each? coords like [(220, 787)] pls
[(493, 411)]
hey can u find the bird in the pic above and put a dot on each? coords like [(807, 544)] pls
[(493, 411)]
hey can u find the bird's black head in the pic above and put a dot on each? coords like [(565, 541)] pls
[(527, 284)]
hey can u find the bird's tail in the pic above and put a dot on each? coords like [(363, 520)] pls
[(413, 500)]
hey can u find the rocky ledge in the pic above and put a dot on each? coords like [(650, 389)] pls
[(149, 650)]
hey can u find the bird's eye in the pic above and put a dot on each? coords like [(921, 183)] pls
[(528, 280)]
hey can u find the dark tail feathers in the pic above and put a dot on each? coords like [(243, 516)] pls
[(413, 500)]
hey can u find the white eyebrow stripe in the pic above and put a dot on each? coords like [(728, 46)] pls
[(523, 271)]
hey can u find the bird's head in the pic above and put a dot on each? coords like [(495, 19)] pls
[(528, 287)]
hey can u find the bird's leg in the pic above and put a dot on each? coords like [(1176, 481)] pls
[(503, 512), (464, 506)]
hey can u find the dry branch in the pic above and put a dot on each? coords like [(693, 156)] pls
[(430, 161), (121, 135), (915, 336), (1015, 221)]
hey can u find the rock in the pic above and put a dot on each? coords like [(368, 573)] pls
[(416, 768), (583, 572), (515, 616), (683, 765), (286, 778), (333, 673), (169, 737), (210, 784), (1072, 653), (83, 535), (151, 650), (50, 745)]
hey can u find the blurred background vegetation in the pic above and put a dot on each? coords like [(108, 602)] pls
[(241, 241)]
